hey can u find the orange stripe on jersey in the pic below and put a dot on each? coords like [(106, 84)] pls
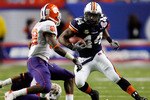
[(73, 29), (130, 89), (57, 45)]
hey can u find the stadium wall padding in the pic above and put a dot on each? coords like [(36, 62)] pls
[(133, 50)]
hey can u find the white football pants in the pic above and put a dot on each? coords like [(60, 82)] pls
[(99, 63)]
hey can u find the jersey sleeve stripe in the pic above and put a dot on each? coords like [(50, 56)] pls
[(57, 45), (73, 28)]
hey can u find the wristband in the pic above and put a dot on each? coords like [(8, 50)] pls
[(109, 39), (69, 56)]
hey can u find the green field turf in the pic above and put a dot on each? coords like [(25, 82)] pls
[(138, 76)]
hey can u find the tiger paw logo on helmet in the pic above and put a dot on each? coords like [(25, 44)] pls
[(51, 11)]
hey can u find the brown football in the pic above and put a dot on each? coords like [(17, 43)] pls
[(75, 39)]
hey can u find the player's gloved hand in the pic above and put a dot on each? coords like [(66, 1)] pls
[(79, 65), (115, 45), (78, 46)]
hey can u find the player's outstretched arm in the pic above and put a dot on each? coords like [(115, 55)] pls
[(51, 39), (112, 42)]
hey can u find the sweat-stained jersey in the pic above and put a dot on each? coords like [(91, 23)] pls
[(91, 34), (40, 48)]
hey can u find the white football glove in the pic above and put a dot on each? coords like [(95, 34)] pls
[(115, 45), (78, 46)]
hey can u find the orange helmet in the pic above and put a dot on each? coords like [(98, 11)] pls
[(51, 11)]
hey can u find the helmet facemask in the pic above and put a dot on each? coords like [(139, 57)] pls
[(92, 18)]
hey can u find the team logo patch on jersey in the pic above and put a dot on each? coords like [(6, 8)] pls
[(103, 24), (86, 32), (52, 28)]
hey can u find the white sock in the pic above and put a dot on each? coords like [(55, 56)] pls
[(7, 82), (20, 92), (69, 96)]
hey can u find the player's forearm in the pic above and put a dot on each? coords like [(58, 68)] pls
[(107, 36), (64, 38), (63, 53), (65, 42)]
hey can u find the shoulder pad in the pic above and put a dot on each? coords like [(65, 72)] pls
[(49, 26)]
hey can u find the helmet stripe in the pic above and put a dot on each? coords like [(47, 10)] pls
[(45, 9), (93, 6)]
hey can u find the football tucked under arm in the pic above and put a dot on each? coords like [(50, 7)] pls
[(77, 42), (75, 39)]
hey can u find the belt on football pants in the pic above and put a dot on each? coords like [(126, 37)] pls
[(88, 60)]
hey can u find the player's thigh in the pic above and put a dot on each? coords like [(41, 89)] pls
[(82, 75), (59, 73), (106, 67), (39, 70)]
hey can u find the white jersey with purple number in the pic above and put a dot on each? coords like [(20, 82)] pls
[(40, 47)]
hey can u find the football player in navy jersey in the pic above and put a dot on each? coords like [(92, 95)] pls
[(92, 28)]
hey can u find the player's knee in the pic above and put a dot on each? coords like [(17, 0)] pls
[(112, 75), (46, 89), (79, 83), (115, 79)]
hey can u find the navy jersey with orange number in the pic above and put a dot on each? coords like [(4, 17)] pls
[(91, 34)]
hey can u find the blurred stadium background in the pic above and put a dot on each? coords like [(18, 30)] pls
[(132, 59)]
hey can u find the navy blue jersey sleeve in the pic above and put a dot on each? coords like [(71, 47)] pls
[(75, 23)]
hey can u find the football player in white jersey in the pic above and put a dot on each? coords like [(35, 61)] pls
[(44, 35), (92, 28)]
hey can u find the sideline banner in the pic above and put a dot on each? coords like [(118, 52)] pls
[(129, 51)]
